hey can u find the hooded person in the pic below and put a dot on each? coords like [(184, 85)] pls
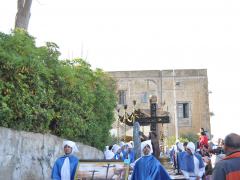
[(121, 144), (116, 149), (131, 154), (180, 147), (192, 165), (179, 155), (128, 153), (148, 167), (108, 154), (65, 166)]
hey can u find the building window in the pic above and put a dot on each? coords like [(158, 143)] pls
[(122, 97), (184, 114), (183, 110), (144, 97)]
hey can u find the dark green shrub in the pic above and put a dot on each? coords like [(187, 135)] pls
[(40, 93)]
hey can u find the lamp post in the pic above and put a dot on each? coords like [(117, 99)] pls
[(175, 105), (118, 126), (134, 104), (125, 118)]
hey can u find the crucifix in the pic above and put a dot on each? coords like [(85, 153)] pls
[(138, 118), (153, 120)]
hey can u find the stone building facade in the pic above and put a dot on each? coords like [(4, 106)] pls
[(183, 93)]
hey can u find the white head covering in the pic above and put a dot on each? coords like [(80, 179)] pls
[(129, 145), (108, 154), (191, 146), (180, 146), (144, 144), (71, 144), (115, 148), (122, 144), (106, 148), (175, 147), (132, 143)]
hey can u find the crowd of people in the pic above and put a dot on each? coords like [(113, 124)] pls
[(206, 160), (203, 160), (147, 167)]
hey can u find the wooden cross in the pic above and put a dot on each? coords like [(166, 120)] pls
[(138, 116), (152, 121)]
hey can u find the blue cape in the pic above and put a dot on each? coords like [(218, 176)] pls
[(180, 156), (117, 156), (56, 171), (187, 163), (171, 154), (149, 168), (128, 155)]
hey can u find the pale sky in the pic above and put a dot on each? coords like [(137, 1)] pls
[(148, 35)]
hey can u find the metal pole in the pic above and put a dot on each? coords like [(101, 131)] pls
[(118, 130), (125, 126), (175, 105)]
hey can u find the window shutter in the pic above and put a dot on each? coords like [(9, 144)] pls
[(180, 110)]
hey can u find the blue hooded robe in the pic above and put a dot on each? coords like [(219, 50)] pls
[(180, 157), (149, 168), (187, 162), (56, 171), (129, 155)]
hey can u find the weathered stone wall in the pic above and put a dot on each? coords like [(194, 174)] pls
[(30, 156)]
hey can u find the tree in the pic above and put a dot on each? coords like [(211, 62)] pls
[(40, 93), (23, 14)]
